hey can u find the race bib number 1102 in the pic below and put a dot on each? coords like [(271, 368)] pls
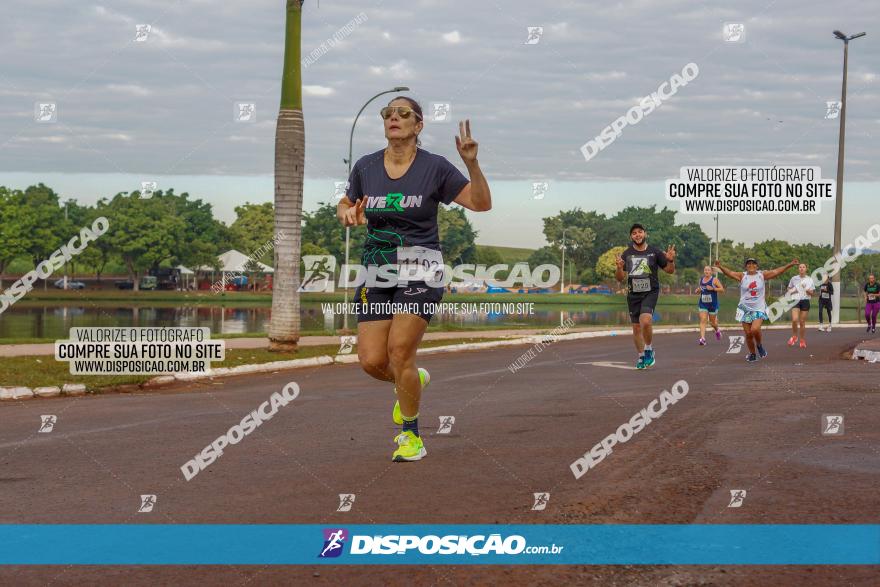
[(419, 264)]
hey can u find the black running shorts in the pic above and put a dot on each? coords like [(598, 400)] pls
[(642, 304), (381, 303)]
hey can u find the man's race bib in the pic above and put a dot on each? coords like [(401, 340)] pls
[(419, 264), (706, 298), (641, 284)]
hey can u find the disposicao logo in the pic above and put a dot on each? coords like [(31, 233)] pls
[(334, 542)]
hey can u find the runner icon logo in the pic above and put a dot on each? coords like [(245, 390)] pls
[(446, 423), (346, 500), (737, 496), (142, 32), (541, 500), (832, 424), (147, 503), (334, 542), (736, 344), (440, 111), (534, 35), (539, 189), (319, 273), (47, 423), (345, 344), (734, 32), (832, 110)]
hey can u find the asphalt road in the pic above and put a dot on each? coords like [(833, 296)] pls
[(741, 426)]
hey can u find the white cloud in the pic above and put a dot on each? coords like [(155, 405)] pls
[(452, 37), (318, 91), (130, 89)]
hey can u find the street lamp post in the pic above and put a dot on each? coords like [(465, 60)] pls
[(838, 203), (562, 272), (348, 228), (717, 243), (66, 203)]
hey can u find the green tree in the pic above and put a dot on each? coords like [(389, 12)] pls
[(457, 236), (203, 237), (488, 256), (545, 256), (580, 234), (322, 229), (143, 232), (13, 227), (606, 266), (44, 223), (253, 227)]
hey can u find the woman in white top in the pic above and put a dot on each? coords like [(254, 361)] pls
[(800, 289), (752, 308)]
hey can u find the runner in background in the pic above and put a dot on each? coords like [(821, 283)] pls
[(752, 308), (826, 291), (872, 303), (709, 288), (638, 264), (802, 287)]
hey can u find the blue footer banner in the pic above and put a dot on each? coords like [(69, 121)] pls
[(270, 544)]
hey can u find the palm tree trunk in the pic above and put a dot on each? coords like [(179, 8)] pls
[(289, 163)]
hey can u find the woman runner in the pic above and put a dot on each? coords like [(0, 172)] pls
[(752, 308), (872, 303), (707, 305), (396, 192), (802, 287)]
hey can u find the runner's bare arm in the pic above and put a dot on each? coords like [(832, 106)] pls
[(737, 275), (771, 273), (475, 195), (670, 260), (619, 273), (716, 283)]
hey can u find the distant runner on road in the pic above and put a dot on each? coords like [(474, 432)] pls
[(872, 303), (752, 308), (709, 288), (801, 286), (638, 264), (826, 293)]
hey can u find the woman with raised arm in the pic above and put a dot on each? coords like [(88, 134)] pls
[(397, 192), (752, 308)]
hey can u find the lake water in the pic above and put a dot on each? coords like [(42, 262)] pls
[(54, 321)]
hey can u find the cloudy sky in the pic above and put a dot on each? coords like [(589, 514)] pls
[(164, 109)]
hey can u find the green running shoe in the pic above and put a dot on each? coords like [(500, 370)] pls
[(409, 448), (649, 358), (425, 379)]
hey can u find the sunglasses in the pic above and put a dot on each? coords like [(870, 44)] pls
[(402, 111)]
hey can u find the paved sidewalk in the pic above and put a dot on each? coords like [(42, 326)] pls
[(19, 350)]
